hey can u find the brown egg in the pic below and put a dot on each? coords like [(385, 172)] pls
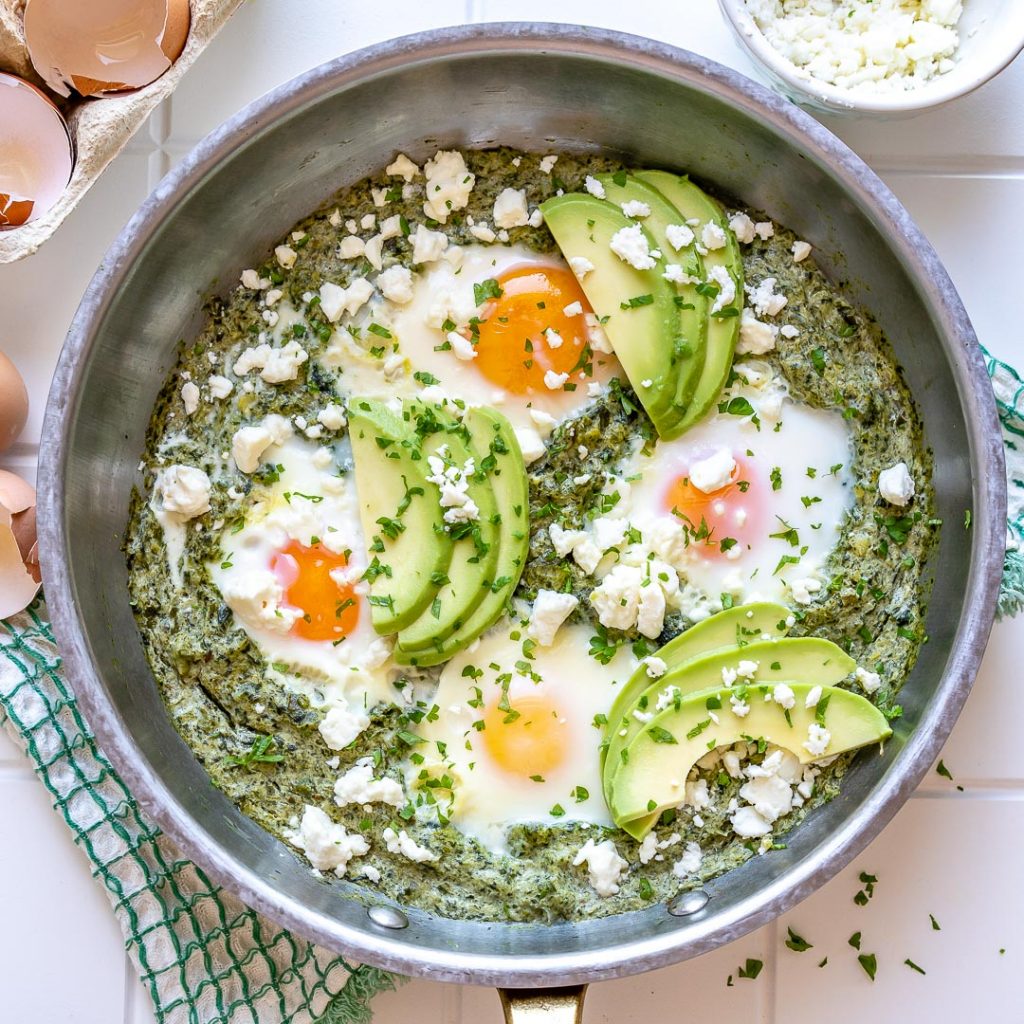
[(104, 46), (13, 403), (36, 153), (19, 553)]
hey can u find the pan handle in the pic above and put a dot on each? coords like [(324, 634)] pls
[(543, 1005)]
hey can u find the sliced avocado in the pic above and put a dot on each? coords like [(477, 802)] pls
[(636, 307), (731, 629), (805, 657), (474, 545), (693, 203), (693, 305), (653, 777), (493, 437), (398, 508)]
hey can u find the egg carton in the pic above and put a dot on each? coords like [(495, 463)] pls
[(100, 128)]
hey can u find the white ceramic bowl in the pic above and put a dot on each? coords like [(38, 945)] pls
[(991, 36)]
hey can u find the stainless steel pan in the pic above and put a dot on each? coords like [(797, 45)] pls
[(540, 88)]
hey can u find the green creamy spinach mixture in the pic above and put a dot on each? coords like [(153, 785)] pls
[(473, 563)]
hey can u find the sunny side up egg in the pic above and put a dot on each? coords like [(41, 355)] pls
[(766, 531), (516, 733), (290, 571), (497, 326)]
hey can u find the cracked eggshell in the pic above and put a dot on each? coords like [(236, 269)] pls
[(36, 152), (104, 46), (19, 562), (13, 403)]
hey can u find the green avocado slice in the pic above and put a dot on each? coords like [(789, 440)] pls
[(398, 506), (474, 543), (636, 307), (693, 203), (653, 777), (805, 657), (492, 437), (692, 305), (730, 630)]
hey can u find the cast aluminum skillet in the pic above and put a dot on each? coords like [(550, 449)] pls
[(541, 88)]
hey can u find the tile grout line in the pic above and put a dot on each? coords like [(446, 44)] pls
[(768, 1011)]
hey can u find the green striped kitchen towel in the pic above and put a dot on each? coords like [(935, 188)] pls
[(204, 957)]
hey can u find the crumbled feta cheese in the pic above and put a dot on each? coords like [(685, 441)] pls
[(800, 250), (563, 541), (462, 347), (453, 483), (547, 163), (740, 708), (250, 279), (747, 669), (183, 491), (616, 599), (713, 472), (587, 555), (255, 597), (374, 251), (690, 862), (286, 256), (595, 334), (553, 338), (655, 666), (630, 245), (395, 284), (748, 824), (249, 443), (756, 337), (327, 845), (428, 246), (448, 185), (402, 167), (803, 590), (402, 843), (335, 300), (783, 696), (764, 229), (742, 227), (276, 365), (769, 795), (871, 681), (679, 236), (332, 416), (341, 725), (726, 288), (550, 610), (713, 236), (190, 397), (635, 208), (866, 46), (580, 266), (789, 331), (813, 696), (648, 848), (510, 209), (765, 300), (554, 381), (604, 866), (896, 485), (594, 187), (220, 387), (818, 739), (482, 233), (573, 309), (358, 786), (368, 221)]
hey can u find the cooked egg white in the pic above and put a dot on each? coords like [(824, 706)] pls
[(515, 732), (762, 493), (290, 571)]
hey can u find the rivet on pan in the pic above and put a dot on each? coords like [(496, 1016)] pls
[(387, 917), (688, 903)]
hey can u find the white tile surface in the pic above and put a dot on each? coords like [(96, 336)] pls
[(961, 173)]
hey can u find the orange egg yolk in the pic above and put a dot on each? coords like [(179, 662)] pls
[(330, 611), (514, 348), (717, 520), (531, 744)]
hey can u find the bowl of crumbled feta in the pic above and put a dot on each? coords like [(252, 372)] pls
[(878, 56)]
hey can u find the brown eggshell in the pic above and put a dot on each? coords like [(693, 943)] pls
[(19, 583), (13, 403), (16, 495), (37, 155), (104, 46)]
